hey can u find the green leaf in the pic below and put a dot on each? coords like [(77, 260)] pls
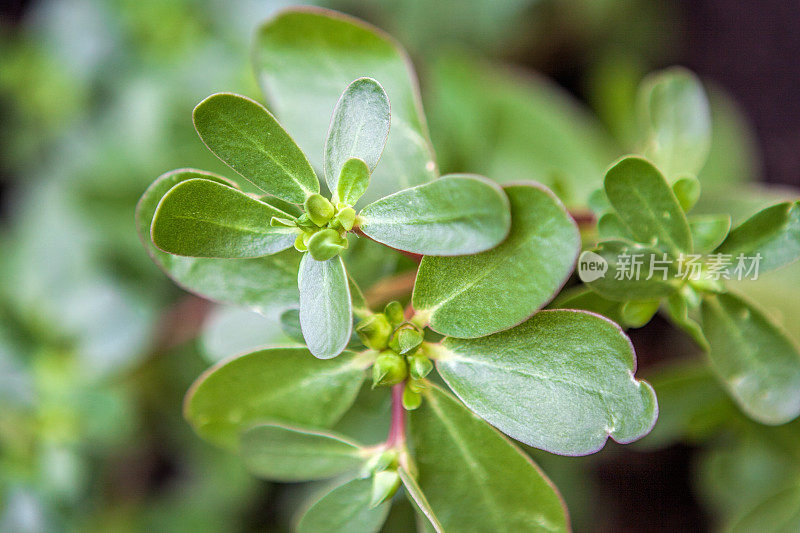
[(708, 231), (247, 138), (360, 308), (353, 181), (284, 453), (204, 218), (757, 362), (674, 113), (610, 227), (302, 78), (359, 128), (454, 215), (647, 205), (326, 314), (774, 233), (779, 513), (415, 494), (264, 284), (281, 384), (629, 267), (637, 313), (562, 381), (474, 478), (345, 509), (476, 295)]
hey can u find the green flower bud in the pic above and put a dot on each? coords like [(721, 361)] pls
[(326, 244), (419, 366), (411, 398), (299, 243), (394, 312), (408, 340), (379, 462), (417, 385), (384, 486), (389, 369), (319, 209), (346, 217), (374, 331)]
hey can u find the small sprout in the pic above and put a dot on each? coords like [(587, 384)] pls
[(419, 366), (326, 244), (389, 369), (346, 218), (304, 222), (408, 340), (374, 331), (380, 462), (411, 398), (279, 222), (384, 486), (319, 209), (394, 312)]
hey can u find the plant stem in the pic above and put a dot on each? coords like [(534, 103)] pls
[(397, 430)]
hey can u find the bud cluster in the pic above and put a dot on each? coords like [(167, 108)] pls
[(402, 355), (321, 229)]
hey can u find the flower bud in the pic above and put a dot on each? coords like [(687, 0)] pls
[(394, 312), (411, 398), (374, 331), (326, 244), (408, 340), (303, 222), (389, 369), (379, 462), (346, 217), (419, 366), (319, 209), (384, 486)]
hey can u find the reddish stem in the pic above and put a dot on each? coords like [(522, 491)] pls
[(397, 431), (583, 218)]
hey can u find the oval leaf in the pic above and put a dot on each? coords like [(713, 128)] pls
[(283, 453), (280, 384), (326, 313), (473, 478), (476, 295), (264, 284), (774, 233), (647, 205), (247, 138), (756, 361), (454, 215), (675, 114), (229, 330), (345, 509), (303, 77), (204, 218), (708, 231), (359, 128), (562, 381)]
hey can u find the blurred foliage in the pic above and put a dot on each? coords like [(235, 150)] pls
[(97, 348)]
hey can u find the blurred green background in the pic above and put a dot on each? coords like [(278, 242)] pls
[(97, 347)]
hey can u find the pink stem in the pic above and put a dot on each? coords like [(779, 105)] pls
[(397, 431)]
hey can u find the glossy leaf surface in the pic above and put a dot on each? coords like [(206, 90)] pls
[(345, 509), (454, 215), (561, 381), (203, 218), (476, 295), (280, 384), (326, 313), (473, 477)]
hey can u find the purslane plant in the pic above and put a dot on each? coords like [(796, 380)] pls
[(560, 380)]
